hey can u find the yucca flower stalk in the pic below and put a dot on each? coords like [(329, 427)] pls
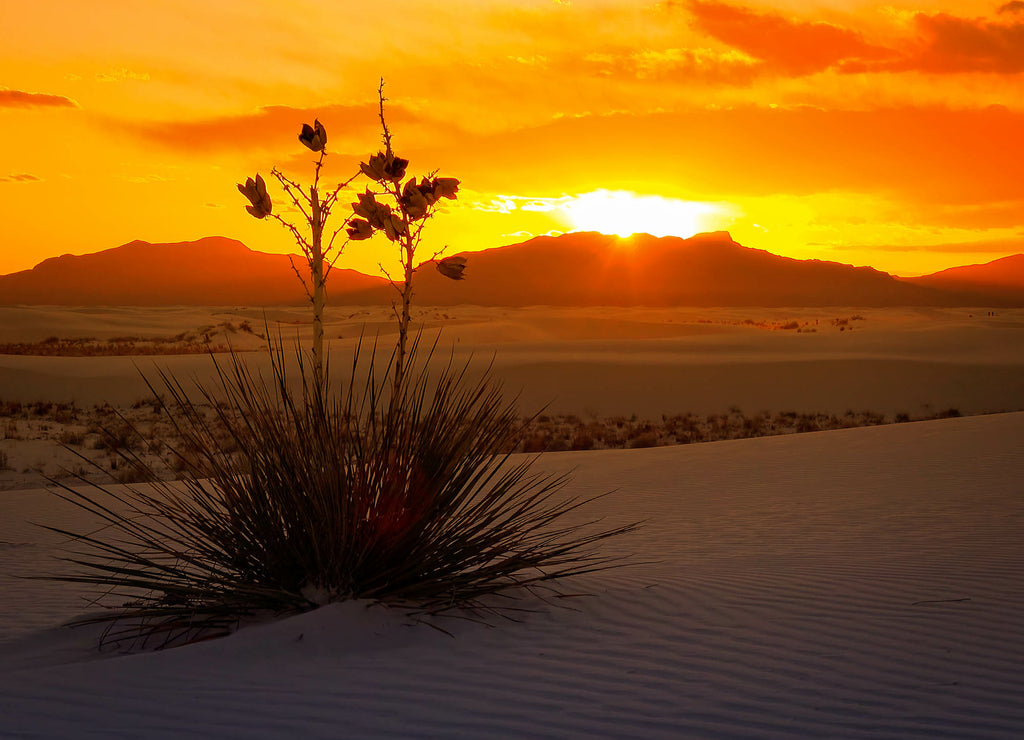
[(316, 210), (401, 216)]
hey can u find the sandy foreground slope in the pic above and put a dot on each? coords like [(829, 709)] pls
[(854, 583)]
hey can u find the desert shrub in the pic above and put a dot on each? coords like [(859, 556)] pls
[(40, 408), (558, 444), (582, 441), (71, 438), (534, 442), (807, 423), (131, 473), (65, 413), (117, 437), (753, 427), (10, 408), (329, 496), (646, 439)]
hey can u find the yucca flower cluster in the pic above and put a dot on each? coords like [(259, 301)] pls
[(396, 209)]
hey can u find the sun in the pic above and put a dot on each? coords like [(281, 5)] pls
[(623, 212)]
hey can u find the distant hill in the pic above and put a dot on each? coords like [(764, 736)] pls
[(583, 269), (214, 271), (577, 269), (1002, 278)]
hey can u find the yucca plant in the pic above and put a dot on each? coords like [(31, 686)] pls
[(293, 494), (315, 496)]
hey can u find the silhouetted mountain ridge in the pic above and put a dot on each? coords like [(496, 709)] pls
[(576, 269), (1003, 277), (586, 268), (213, 271)]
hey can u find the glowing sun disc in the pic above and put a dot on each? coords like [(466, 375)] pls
[(622, 212)]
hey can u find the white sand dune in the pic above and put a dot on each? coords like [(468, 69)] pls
[(863, 583), (599, 361)]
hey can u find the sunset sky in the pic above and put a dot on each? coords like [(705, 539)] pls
[(883, 134)]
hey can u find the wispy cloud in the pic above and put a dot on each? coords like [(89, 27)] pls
[(266, 127), (985, 246), (692, 65), (121, 74), (21, 99)]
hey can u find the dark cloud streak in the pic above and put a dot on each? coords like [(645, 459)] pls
[(22, 99), (21, 177), (944, 43), (791, 47), (953, 44)]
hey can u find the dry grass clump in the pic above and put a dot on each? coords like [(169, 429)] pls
[(318, 496)]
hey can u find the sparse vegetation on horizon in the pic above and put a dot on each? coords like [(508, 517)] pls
[(201, 340), (559, 433), (84, 431)]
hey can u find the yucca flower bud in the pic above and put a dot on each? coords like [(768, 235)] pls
[(359, 229), (383, 167), (256, 192), (394, 227), (414, 199), (452, 267), (445, 187), (375, 213), (314, 137)]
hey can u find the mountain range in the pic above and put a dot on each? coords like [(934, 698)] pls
[(576, 269), (213, 271)]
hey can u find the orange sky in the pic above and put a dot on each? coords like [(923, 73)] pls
[(882, 134)]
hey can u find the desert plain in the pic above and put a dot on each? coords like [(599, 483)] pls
[(862, 580)]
